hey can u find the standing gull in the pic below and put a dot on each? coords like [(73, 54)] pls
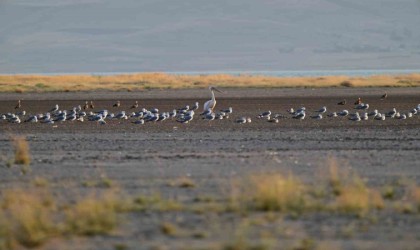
[(135, 105), (18, 105), (241, 120), (117, 104), (322, 110), (54, 109), (227, 111), (300, 115), (265, 114), (195, 107), (317, 117)]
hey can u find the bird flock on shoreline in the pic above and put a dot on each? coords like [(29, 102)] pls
[(186, 114)]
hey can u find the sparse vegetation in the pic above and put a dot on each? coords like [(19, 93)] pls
[(132, 82), (305, 244), (155, 203), (352, 195), (411, 200), (415, 197), (183, 182), (168, 228), (240, 240), (29, 218), (343, 192), (40, 182), (388, 192), (356, 198), (93, 215), (103, 182), (276, 192), (21, 149)]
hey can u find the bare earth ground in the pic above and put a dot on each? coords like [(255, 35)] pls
[(143, 159)]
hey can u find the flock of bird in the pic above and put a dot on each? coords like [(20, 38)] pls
[(361, 107), (186, 114)]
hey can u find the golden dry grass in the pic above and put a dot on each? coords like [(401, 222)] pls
[(21, 148), (40, 182), (29, 218), (155, 203), (411, 200), (269, 192), (140, 81), (93, 215), (183, 182), (339, 191), (358, 199), (351, 193), (277, 193), (169, 228), (415, 196)]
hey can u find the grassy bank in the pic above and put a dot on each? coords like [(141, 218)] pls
[(133, 82)]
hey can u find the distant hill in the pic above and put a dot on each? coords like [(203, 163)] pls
[(196, 35)]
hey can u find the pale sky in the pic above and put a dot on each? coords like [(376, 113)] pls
[(70, 36)]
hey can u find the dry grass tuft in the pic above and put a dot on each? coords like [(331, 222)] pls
[(356, 198), (168, 228), (271, 192), (93, 215), (40, 182), (335, 175), (388, 192), (352, 195), (21, 147), (183, 182), (415, 197), (240, 240), (305, 244), (340, 192), (346, 84), (278, 193), (103, 182), (411, 201), (155, 203), (29, 217)]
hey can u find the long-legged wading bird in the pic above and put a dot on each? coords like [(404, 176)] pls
[(210, 104)]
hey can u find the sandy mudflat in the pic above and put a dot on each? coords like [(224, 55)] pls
[(145, 158)]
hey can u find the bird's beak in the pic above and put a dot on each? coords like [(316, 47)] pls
[(217, 90)]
